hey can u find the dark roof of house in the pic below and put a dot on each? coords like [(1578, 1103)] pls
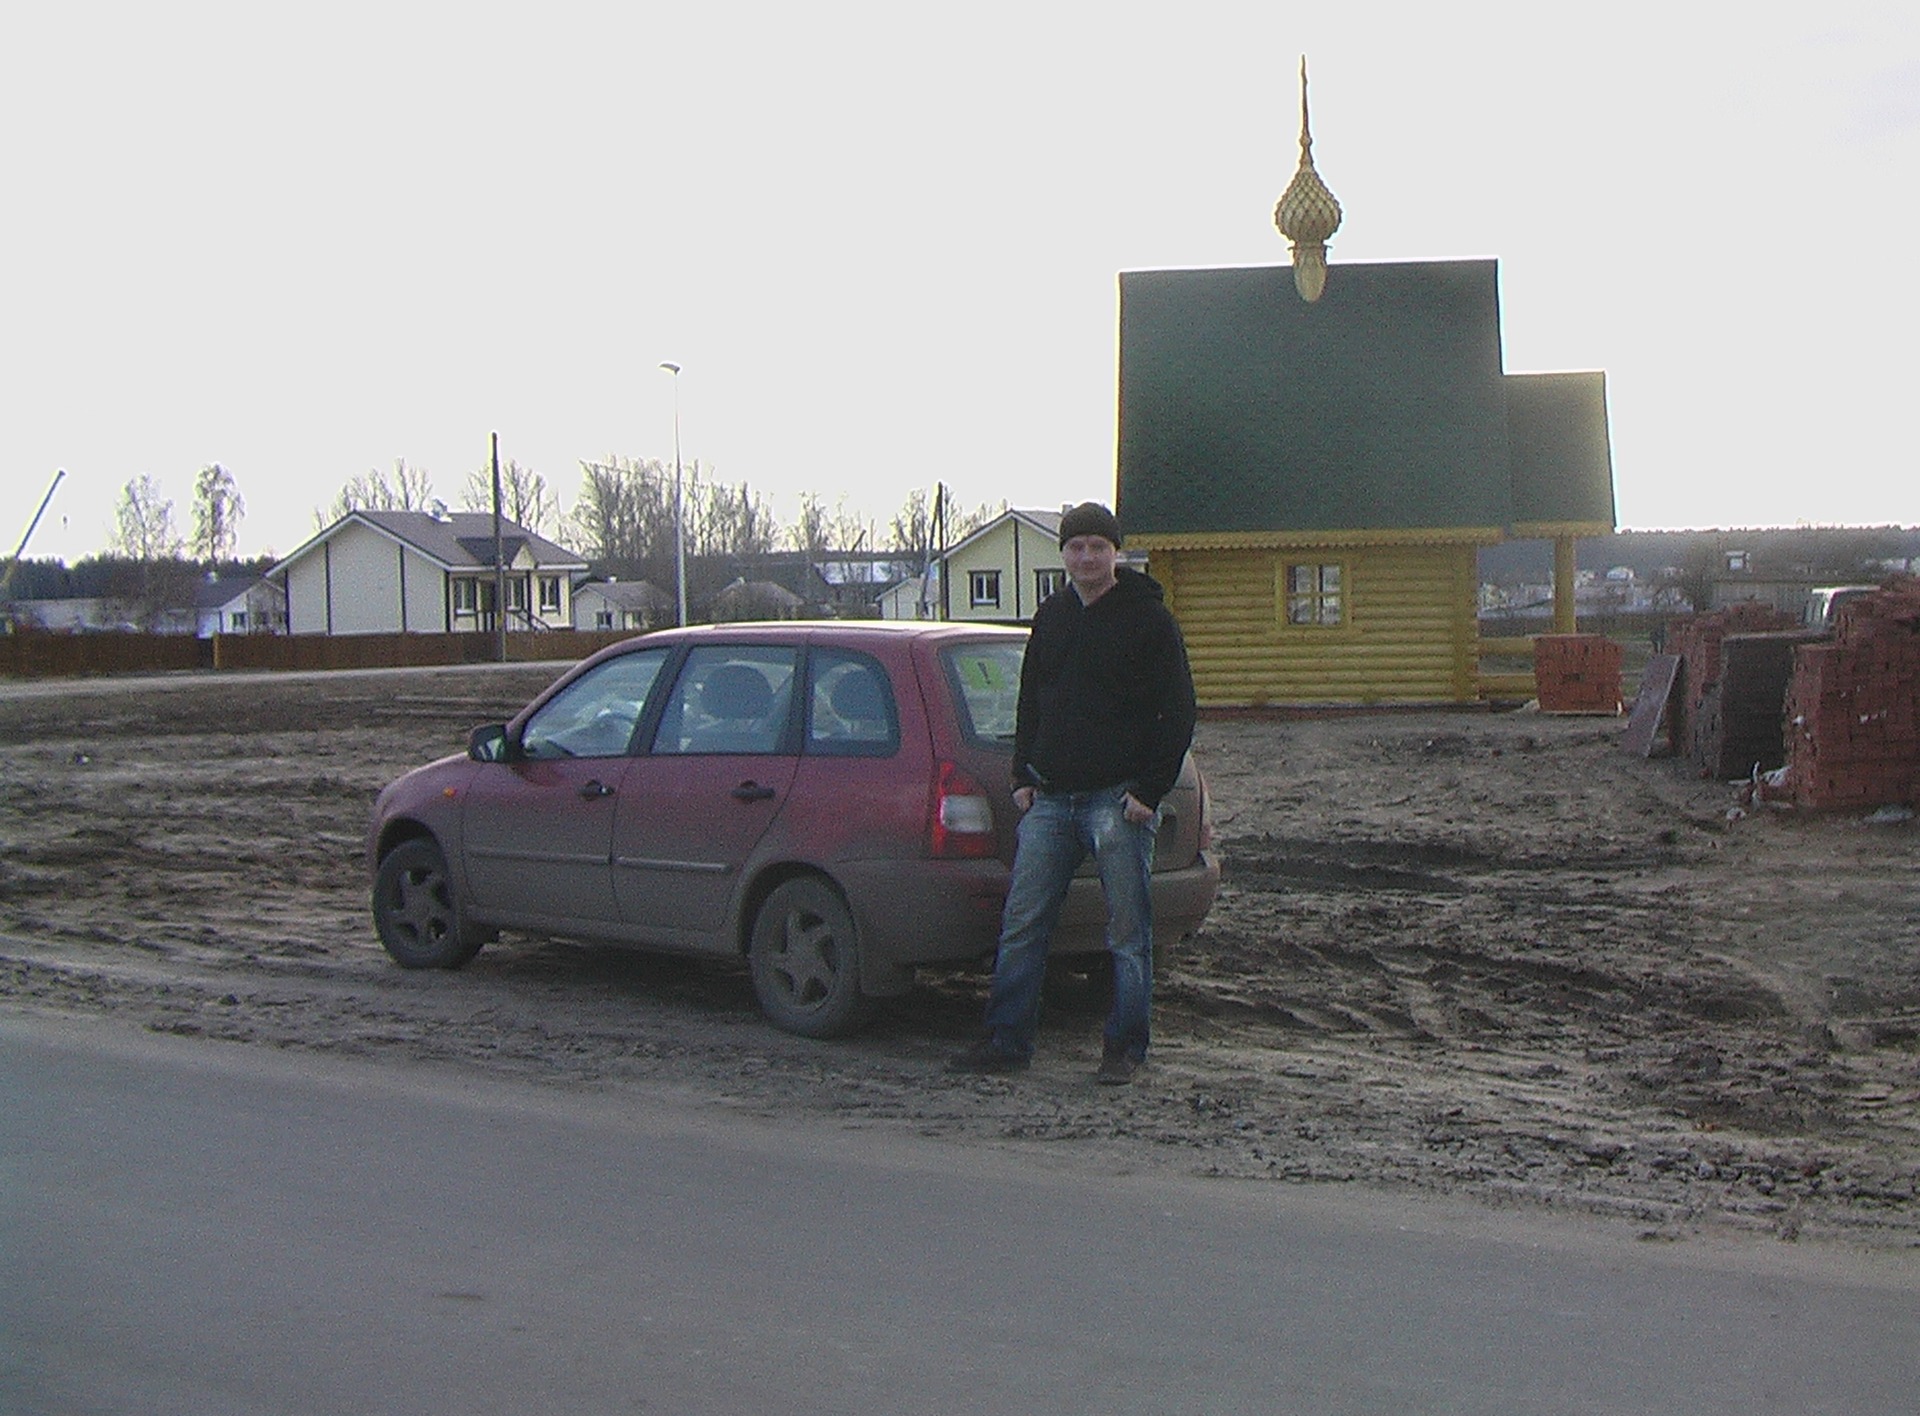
[(458, 540), (479, 549), (210, 593), (1383, 406), (1561, 455), (628, 594), (465, 538)]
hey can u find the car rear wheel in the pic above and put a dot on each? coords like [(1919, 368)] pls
[(806, 961), (415, 911)]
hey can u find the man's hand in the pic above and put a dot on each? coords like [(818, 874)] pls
[(1135, 810), (1023, 799)]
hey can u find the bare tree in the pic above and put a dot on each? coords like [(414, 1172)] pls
[(217, 510), (818, 530), (624, 514), (913, 527), (1693, 579), (143, 522), (926, 526), (409, 489), (525, 498), (623, 517), (961, 524), (724, 520), (149, 578)]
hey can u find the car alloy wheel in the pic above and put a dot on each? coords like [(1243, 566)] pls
[(415, 911), (805, 960)]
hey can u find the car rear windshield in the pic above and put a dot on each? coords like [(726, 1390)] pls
[(985, 676)]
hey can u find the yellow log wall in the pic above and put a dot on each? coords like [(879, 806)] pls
[(1410, 634)]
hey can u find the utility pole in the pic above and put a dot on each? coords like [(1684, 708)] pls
[(499, 560), (679, 503)]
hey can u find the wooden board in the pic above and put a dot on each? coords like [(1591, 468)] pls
[(1657, 683)]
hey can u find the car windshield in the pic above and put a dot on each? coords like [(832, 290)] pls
[(986, 682)]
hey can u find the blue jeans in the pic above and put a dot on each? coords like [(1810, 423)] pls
[(1057, 833)]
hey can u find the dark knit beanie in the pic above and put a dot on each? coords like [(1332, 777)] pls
[(1089, 519)]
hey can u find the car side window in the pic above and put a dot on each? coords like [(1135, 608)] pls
[(730, 698), (985, 678), (596, 714), (850, 710)]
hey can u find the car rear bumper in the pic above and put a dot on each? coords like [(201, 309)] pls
[(945, 912)]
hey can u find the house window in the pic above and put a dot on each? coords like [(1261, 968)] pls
[(466, 597), (603, 619), (549, 594), (238, 620), (1046, 582), (1312, 594), (516, 594), (983, 587)]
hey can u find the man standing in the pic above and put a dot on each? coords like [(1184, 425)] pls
[(1105, 719)]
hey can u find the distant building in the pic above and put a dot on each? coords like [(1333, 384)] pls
[(423, 572), (250, 604), (1313, 481), (622, 604)]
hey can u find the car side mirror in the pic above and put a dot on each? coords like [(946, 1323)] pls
[(491, 744)]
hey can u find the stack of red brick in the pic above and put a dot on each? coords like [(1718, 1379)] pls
[(1698, 645), (1853, 729), (1577, 673)]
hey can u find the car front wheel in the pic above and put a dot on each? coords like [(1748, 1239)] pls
[(806, 961), (415, 911)]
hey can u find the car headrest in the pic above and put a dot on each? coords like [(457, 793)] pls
[(857, 698), (735, 691)]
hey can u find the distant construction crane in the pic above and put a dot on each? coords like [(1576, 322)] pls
[(6, 576)]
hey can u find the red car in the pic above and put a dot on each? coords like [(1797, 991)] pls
[(829, 800)]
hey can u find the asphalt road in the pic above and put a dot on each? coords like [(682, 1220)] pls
[(195, 1227)]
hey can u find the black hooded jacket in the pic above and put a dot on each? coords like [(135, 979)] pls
[(1106, 698)]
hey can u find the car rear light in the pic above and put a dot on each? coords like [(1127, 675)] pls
[(962, 817)]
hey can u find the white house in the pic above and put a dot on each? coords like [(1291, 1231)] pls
[(425, 572), (621, 604), (1003, 571), (251, 604), (915, 597)]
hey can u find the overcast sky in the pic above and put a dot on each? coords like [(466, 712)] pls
[(882, 239)]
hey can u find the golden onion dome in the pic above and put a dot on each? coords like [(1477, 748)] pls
[(1307, 213)]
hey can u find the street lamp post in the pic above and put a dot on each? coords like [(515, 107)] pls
[(679, 504)]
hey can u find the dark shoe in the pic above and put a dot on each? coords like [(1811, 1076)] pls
[(1116, 1067), (984, 1059)]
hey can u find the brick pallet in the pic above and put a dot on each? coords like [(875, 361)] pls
[(1740, 726), (1700, 725), (1852, 724), (1577, 673)]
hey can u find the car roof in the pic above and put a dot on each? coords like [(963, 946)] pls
[(831, 630), (872, 633)]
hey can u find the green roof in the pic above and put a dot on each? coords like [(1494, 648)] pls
[(1380, 407), (1561, 455)]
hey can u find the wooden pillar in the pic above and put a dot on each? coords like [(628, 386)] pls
[(1563, 615)]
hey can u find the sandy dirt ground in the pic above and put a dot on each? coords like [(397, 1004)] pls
[(1482, 955)]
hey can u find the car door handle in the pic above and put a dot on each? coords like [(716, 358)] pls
[(751, 791), (594, 790)]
